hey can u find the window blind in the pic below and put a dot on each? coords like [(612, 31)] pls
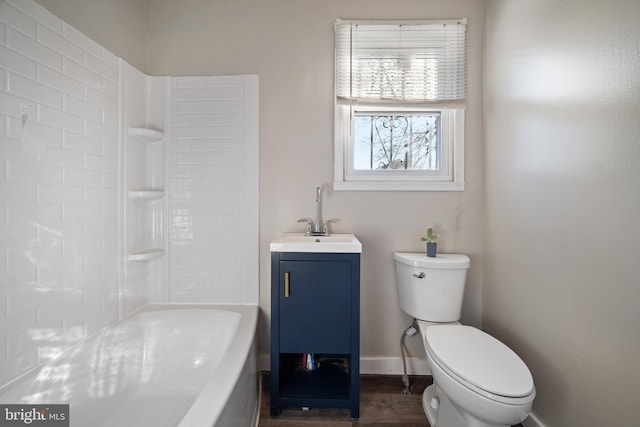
[(401, 61)]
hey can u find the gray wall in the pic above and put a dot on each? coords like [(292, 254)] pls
[(290, 45), (562, 239), (118, 25)]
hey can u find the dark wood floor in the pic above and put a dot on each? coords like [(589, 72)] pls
[(382, 403)]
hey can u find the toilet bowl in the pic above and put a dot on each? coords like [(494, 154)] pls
[(477, 380), (486, 383)]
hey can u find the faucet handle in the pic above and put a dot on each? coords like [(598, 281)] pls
[(325, 229), (309, 222)]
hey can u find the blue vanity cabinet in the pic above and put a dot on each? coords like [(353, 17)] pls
[(315, 309)]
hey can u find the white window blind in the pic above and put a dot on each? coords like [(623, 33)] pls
[(401, 61)]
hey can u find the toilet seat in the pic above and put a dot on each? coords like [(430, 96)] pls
[(480, 362)]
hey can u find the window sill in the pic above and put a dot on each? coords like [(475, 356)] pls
[(397, 186)]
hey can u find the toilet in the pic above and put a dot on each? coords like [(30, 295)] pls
[(477, 380)]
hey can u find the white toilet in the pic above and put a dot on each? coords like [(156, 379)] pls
[(477, 380)]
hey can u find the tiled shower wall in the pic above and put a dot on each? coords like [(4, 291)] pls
[(58, 186), (65, 105), (213, 194), (137, 92)]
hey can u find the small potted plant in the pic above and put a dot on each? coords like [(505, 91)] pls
[(431, 238)]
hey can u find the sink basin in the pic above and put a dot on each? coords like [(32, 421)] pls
[(334, 243)]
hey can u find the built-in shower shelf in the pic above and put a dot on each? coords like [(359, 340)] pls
[(151, 194), (146, 135), (146, 255)]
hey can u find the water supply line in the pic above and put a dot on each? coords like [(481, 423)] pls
[(410, 331)]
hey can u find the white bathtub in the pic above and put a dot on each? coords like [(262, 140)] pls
[(170, 365)]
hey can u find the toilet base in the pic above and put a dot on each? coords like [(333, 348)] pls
[(430, 412), (439, 410), (442, 413)]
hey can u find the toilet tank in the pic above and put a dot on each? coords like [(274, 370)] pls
[(431, 288)]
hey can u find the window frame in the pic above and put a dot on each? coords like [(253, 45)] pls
[(452, 147), (452, 135)]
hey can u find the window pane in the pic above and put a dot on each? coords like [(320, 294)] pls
[(396, 141)]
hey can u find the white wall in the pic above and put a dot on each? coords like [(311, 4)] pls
[(141, 167), (58, 186), (213, 189), (562, 282)]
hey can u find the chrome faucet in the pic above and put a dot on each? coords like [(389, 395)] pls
[(315, 227), (318, 220)]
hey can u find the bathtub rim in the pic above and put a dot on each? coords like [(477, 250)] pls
[(214, 394)]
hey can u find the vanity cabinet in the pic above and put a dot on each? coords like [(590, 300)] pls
[(315, 314)]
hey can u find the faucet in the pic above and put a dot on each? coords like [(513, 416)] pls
[(316, 223), (315, 227)]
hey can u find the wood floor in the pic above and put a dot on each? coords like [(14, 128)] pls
[(382, 403)]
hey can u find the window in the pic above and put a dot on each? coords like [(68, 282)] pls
[(399, 105), (396, 141)]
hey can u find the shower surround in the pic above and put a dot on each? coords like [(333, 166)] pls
[(67, 164)]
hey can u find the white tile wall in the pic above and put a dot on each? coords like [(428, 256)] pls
[(58, 175), (63, 223), (213, 189), (142, 279)]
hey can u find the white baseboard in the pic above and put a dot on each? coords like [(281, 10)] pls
[(532, 421), (376, 365), (393, 366)]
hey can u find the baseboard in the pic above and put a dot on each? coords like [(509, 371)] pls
[(376, 365), (393, 366), (532, 421)]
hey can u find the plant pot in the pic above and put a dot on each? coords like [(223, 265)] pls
[(432, 248)]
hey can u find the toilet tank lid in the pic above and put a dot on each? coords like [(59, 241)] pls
[(444, 261), (480, 359)]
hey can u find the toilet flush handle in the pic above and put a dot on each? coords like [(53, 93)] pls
[(419, 276)]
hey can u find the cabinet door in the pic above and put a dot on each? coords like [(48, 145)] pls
[(315, 306)]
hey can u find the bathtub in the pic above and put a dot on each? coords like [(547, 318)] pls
[(169, 365)]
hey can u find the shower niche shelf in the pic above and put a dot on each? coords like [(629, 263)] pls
[(146, 194), (146, 255), (146, 135), (145, 227)]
